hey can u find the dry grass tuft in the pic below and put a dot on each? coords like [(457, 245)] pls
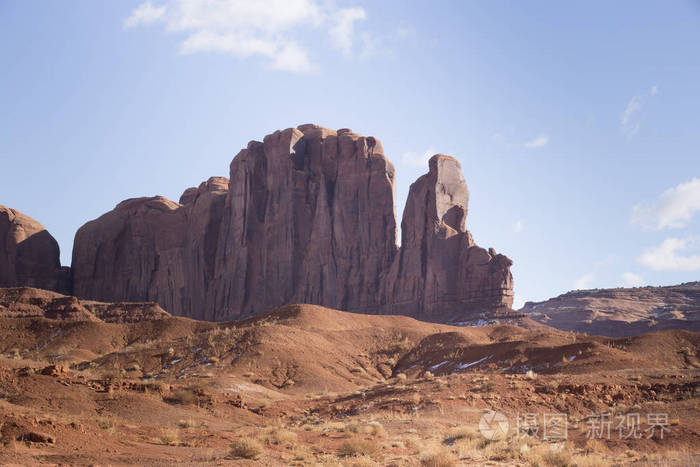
[(372, 428), (358, 447), (169, 437), (439, 459), (246, 448), (281, 437), (361, 461), (187, 423), (550, 456), (589, 460)]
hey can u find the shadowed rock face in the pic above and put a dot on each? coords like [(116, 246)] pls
[(306, 217), (153, 249), (29, 255)]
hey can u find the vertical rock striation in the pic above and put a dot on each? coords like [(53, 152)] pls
[(440, 274), (153, 249), (306, 217)]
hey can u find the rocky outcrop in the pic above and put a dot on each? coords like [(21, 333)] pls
[(621, 312), (153, 249), (306, 217), (29, 255), (440, 274), (28, 302)]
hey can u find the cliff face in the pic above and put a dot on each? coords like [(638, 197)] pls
[(306, 217), (153, 249), (29, 255), (440, 274)]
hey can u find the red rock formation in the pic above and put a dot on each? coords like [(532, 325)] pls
[(440, 274), (307, 217), (29, 255), (153, 249), (28, 302)]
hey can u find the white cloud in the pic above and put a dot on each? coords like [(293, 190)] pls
[(418, 159), (538, 142), (270, 29), (145, 13), (342, 30), (673, 209), (668, 257), (630, 120), (584, 282), (518, 226), (630, 279)]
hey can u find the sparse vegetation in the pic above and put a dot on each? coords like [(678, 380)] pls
[(187, 423), (246, 448), (439, 459), (280, 436), (358, 447), (169, 437)]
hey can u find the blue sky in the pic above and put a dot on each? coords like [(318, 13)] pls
[(576, 123)]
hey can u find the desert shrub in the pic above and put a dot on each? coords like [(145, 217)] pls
[(281, 437), (191, 395), (530, 375), (403, 346), (357, 447), (246, 448), (401, 377), (589, 460), (183, 397), (361, 461), (428, 375), (439, 459), (545, 455), (498, 450), (302, 453), (462, 436), (169, 437), (187, 423), (371, 428)]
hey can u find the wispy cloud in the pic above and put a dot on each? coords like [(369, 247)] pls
[(270, 29), (342, 30), (538, 142), (630, 279), (584, 282), (629, 122), (674, 208), (519, 226), (144, 14), (669, 255), (418, 159), (631, 118)]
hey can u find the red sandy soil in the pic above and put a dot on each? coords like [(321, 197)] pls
[(313, 385)]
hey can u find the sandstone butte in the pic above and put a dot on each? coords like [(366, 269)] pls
[(307, 216), (29, 255)]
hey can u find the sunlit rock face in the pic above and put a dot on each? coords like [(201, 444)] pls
[(307, 216)]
